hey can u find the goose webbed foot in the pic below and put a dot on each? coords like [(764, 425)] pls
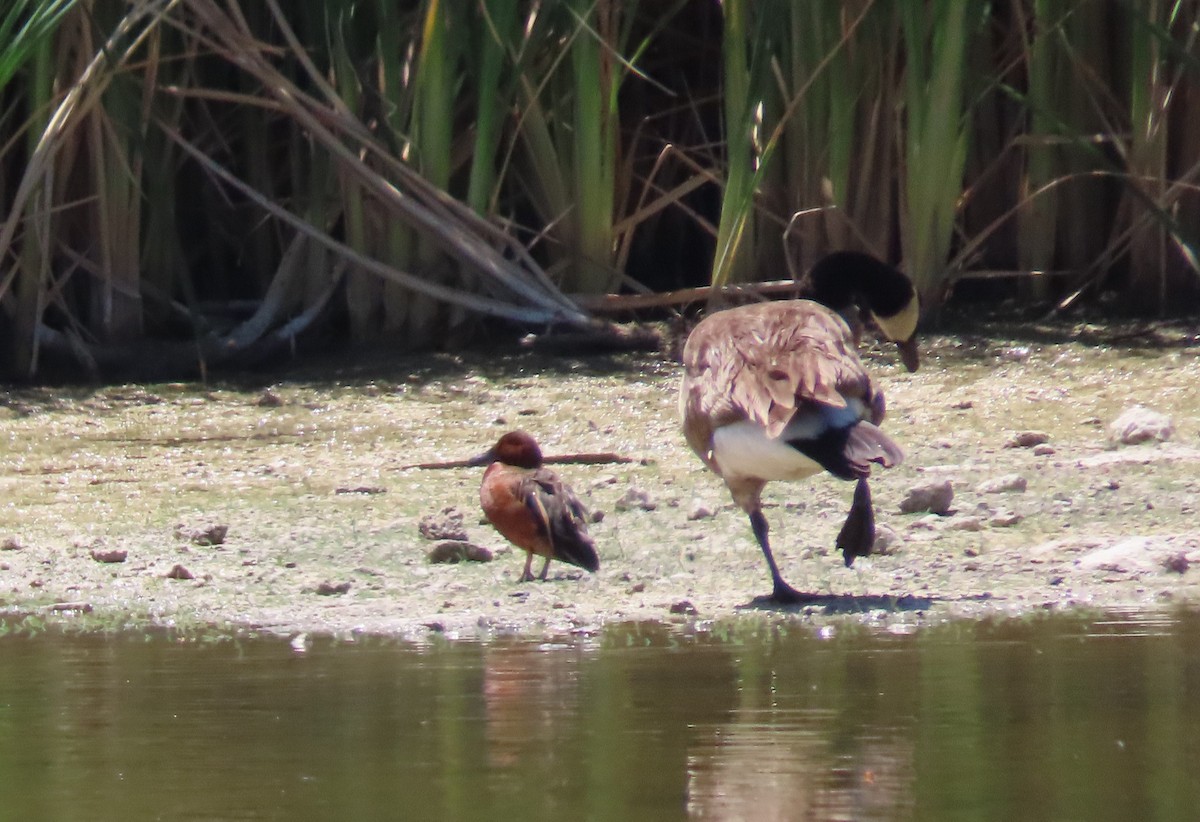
[(858, 533), (781, 592), (784, 594)]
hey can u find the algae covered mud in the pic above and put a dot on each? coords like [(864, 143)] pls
[(295, 508)]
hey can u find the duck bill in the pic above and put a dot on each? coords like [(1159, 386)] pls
[(486, 458), (909, 354)]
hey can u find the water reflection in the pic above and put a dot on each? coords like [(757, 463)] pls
[(1051, 718)]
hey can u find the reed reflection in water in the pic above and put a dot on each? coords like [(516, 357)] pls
[(1047, 718)]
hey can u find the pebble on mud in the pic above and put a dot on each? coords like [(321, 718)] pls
[(635, 498), (967, 523), (1002, 485), (269, 399), (445, 524), (934, 497), (1027, 439), (1005, 519), (1177, 563), (699, 510), (1140, 424), (109, 554), (10, 544), (683, 607), (209, 533), (454, 550), (328, 589), (179, 572), (887, 541)]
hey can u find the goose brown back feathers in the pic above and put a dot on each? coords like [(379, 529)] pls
[(763, 362)]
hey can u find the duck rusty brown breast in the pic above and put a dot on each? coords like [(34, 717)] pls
[(536, 511)]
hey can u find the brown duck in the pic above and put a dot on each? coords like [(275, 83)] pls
[(776, 391), (531, 507)]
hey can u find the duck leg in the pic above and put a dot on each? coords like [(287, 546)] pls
[(781, 591), (858, 533), (527, 574), (545, 568)]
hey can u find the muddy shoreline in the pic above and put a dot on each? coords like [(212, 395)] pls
[(111, 495)]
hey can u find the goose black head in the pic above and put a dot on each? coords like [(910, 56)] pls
[(845, 278)]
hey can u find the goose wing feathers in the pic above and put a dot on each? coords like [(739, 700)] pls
[(762, 362)]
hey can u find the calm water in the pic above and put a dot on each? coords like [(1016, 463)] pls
[(1052, 718)]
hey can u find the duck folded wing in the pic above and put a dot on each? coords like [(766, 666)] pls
[(561, 518)]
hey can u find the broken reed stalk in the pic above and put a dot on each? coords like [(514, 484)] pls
[(600, 458)]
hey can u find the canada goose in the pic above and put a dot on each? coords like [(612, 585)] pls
[(531, 507), (776, 391)]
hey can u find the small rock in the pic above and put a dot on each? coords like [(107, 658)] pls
[(10, 544), (887, 541), (683, 607), (635, 498), (1027, 439), (1056, 580), (1126, 555), (637, 588), (69, 607), (1176, 563), (179, 572), (600, 482), (205, 534), (1140, 424), (361, 489), (1043, 450), (1002, 485), (699, 510), (109, 554), (597, 515), (1015, 353), (453, 550), (269, 399), (967, 523), (328, 589), (963, 405), (930, 522), (1005, 519), (446, 524), (934, 497)]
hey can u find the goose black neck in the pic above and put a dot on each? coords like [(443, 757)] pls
[(846, 278)]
